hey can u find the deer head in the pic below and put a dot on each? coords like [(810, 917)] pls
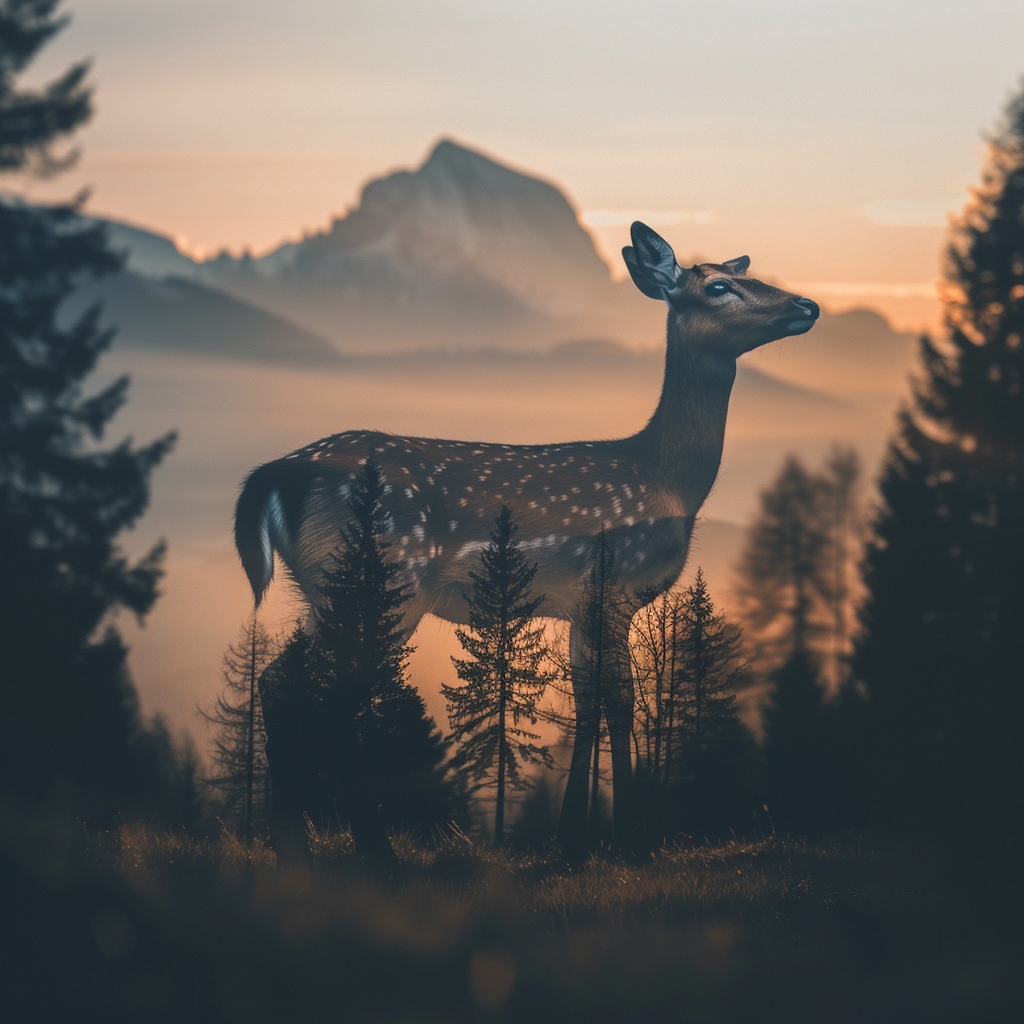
[(715, 304)]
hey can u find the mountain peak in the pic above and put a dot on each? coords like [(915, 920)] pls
[(449, 152), (462, 223)]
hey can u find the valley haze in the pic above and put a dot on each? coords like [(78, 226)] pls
[(461, 300)]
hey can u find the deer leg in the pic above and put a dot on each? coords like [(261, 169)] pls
[(618, 704), (572, 822)]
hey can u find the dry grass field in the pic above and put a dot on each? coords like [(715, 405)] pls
[(134, 924)]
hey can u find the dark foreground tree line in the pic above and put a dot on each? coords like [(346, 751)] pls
[(71, 733)]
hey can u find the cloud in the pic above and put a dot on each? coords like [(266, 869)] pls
[(912, 213), (653, 218)]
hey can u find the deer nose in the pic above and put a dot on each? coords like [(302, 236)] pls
[(809, 306)]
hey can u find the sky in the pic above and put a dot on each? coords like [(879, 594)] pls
[(828, 141)]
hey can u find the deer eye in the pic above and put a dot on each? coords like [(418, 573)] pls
[(716, 288)]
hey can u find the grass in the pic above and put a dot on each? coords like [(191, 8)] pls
[(137, 924)]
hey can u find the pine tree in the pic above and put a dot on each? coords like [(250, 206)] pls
[(70, 727), (348, 739), (292, 702), (31, 122), (711, 669), (361, 655), (785, 572), (702, 749), (239, 745), (941, 655), (504, 678)]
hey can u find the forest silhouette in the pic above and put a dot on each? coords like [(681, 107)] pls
[(337, 836)]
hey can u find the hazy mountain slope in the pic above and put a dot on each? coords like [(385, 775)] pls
[(462, 252), (179, 315), (462, 216), (465, 254), (147, 252), (603, 368), (855, 354)]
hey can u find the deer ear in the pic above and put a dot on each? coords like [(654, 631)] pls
[(641, 278), (651, 262), (738, 265)]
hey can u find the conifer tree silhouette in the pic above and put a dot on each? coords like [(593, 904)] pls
[(711, 669), (784, 575), (70, 726), (348, 739), (941, 654), (360, 653), (239, 754), (503, 677), (691, 654)]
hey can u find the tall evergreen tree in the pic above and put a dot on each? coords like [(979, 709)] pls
[(362, 655), (70, 726), (348, 739), (785, 575), (239, 743), (711, 669), (845, 528), (704, 751), (941, 654), (292, 702), (503, 677)]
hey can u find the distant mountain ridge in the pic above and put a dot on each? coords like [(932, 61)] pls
[(460, 216), (462, 254)]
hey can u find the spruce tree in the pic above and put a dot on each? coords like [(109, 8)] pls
[(292, 703), (695, 764), (711, 669), (348, 737), (361, 655), (941, 654), (503, 677), (70, 727), (785, 572), (239, 743)]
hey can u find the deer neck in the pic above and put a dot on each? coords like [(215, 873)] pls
[(682, 443)]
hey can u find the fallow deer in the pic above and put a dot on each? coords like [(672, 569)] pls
[(643, 491)]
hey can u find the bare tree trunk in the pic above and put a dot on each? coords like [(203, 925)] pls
[(250, 749), (499, 811)]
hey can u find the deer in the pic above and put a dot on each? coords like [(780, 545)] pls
[(640, 494)]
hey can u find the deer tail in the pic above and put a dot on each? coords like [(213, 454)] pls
[(266, 517)]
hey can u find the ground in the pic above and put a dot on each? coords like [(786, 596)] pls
[(131, 924)]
